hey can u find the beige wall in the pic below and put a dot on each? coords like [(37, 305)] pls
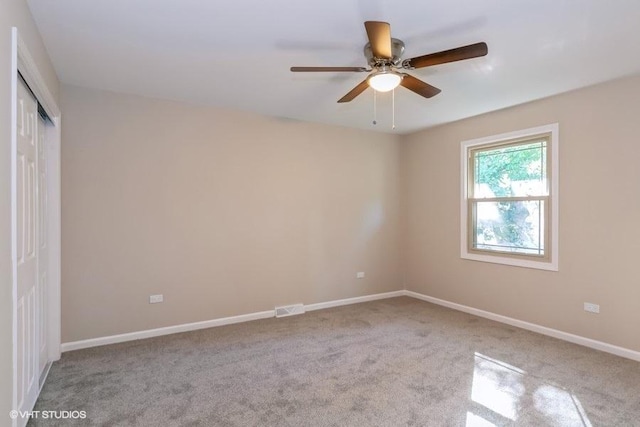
[(599, 217), (224, 213), (13, 13), (228, 213)]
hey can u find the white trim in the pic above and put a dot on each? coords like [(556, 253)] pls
[(149, 333), (29, 70), (53, 137), (355, 300), (553, 129), (14, 216), (565, 336)]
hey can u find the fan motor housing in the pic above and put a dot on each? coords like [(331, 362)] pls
[(397, 49)]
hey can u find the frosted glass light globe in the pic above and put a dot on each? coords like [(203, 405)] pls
[(384, 81)]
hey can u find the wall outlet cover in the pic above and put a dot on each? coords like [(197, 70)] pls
[(591, 308), (154, 299)]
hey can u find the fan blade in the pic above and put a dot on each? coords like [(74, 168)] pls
[(311, 69), (379, 34), (355, 92), (457, 54), (419, 87)]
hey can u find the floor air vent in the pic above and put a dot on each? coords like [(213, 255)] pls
[(289, 310)]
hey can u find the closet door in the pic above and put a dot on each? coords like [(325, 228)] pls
[(27, 247), (43, 251)]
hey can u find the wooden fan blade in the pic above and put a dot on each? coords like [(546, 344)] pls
[(313, 69), (379, 34), (355, 92), (419, 87), (452, 55)]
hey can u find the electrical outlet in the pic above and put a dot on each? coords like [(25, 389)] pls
[(360, 275), (154, 299), (591, 308)]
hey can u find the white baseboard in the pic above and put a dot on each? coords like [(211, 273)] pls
[(149, 333), (355, 300), (576, 339)]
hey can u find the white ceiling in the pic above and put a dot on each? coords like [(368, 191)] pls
[(237, 54)]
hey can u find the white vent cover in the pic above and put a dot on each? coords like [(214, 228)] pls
[(289, 310)]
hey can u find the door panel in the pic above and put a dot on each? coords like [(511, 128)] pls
[(43, 250), (27, 259)]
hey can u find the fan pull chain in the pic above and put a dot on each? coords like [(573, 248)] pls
[(393, 109), (375, 110)]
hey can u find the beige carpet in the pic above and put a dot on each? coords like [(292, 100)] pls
[(391, 362)]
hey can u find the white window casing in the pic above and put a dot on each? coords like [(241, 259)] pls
[(548, 261)]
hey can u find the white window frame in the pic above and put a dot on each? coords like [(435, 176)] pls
[(499, 258)]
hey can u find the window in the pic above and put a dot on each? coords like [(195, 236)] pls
[(509, 205)]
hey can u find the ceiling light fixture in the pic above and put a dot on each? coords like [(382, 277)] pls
[(384, 80)]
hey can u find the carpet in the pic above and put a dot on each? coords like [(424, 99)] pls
[(392, 362)]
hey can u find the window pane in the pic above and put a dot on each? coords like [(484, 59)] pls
[(511, 171), (516, 227)]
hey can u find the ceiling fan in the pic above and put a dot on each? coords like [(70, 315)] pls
[(384, 53)]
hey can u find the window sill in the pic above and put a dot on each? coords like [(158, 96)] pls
[(514, 262)]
